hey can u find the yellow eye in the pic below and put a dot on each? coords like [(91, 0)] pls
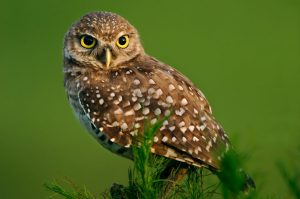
[(123, 41), (87, 41)]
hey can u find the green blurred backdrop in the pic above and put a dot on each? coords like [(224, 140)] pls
[(244, 55)]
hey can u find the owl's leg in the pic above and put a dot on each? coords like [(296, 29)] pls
[(173, 175)]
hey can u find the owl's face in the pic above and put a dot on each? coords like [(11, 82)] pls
[(102, 41)]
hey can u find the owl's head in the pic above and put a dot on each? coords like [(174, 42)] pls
[(102, 40)]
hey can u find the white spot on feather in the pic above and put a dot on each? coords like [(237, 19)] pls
[(151, 81), (195, 139), (165, 139), (169, 100), (118, 111), (171, 87), (184, 102), (157, 111), (136, 82)]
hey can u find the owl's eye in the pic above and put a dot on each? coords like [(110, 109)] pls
[(87, 41), (123, 41)]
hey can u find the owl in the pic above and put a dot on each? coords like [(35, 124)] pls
[(114, 86)]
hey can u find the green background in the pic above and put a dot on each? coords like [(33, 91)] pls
[(244, 55)]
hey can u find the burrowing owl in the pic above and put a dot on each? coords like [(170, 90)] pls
[(113, 86)]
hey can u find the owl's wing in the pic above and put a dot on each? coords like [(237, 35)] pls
[(191, 134), (119, 107)]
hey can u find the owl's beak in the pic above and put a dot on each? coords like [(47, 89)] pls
[(107, 57)]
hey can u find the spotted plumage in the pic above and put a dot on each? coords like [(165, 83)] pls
[(114, 89)]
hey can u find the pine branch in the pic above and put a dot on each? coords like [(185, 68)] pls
[(71, 192)]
